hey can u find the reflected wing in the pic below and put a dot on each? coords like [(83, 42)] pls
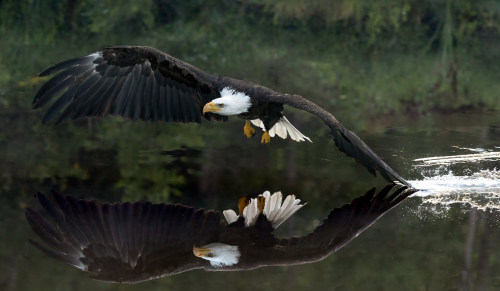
[(123, 242), (342, 225), (133, 82), (346, 140)]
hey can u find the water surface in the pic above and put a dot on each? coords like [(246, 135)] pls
[(443, 237)]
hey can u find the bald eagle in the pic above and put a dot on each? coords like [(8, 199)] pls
[(145, 83), (125, 242)]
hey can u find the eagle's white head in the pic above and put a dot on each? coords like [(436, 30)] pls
[(231, 102), (218, 254)]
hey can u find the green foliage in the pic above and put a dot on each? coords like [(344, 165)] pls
[(436, 49), (106, 17)]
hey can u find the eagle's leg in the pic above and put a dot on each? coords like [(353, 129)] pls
[(248, 129), (265, 137), (244, 201), (261, 202)]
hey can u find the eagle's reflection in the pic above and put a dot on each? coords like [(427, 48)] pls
[(133, 242)]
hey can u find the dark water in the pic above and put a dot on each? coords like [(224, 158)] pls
[(442, 238)]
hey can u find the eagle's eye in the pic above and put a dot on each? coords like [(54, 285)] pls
[(220, 105), (210, 255)]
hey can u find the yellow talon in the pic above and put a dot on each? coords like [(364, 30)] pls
[(265, 137), (261, 202), (248, 129), (244, 201)]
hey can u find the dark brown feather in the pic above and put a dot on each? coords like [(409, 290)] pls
[(135, 74), (123, 242), (345, 223), (346, 140)]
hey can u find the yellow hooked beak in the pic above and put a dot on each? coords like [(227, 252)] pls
[(210, 107), (201, 252)]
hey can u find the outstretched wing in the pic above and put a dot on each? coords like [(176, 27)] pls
[(346, 140), (123, 242), (130, 81), (340, 227)]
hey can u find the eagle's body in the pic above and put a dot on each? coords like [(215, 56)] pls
[(125, 242), (145, 83)]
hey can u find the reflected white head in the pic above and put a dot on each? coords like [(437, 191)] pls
[(218, 254)]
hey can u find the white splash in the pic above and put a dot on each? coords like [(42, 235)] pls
[(468, 158), (459, 180)]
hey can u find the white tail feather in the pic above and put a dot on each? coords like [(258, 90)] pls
[(250, 213), (282, 128), (230, 216), (275, 211)]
